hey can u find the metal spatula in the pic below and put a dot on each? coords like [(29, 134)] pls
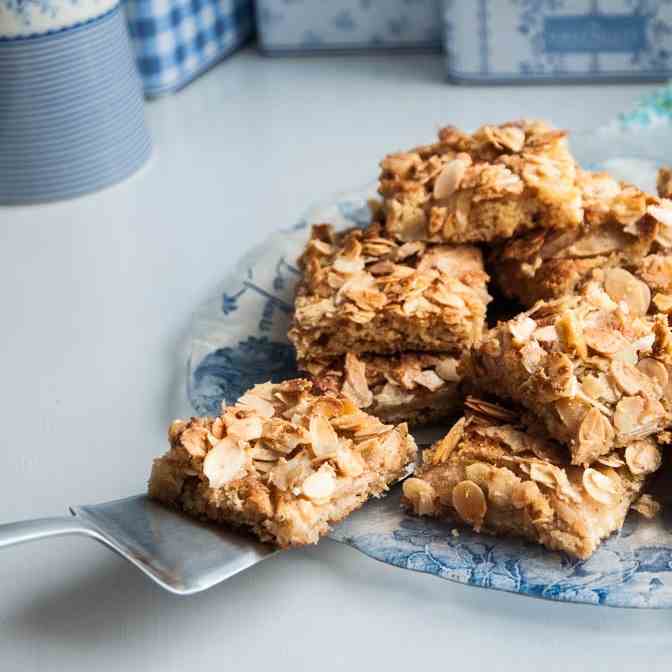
[(181, 554)]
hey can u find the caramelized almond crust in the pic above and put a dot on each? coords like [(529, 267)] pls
[(621, 226), (412, 387), (499, 477), (498, 182), (285, 461), (594, 371), (363, 292)]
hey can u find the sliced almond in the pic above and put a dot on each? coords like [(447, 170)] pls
[(443, 448), (627, 415), (623, 286), (449, 179), (647, 506), (655, 370), (629, 378), (643, 457), (421, 496), (356, 386), (603, 488), (470, 503), (245, 429), (224, 463), (595, 437), (323, 438), (447, 369), (320, 485), (349, 462), (194, 441), (253, 402), (522, 329), (429, 379)]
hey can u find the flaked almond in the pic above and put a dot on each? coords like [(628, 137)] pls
[(522, 329), (429, 379), (623, 286), (421, 496), (571, 413), (224, 463), (647, 506), (253, 402), (262, 454), (604, 488), (447, 369), (321, 484), (323, 438), (245, 429), (612, 460), (548, 334), (194, 440), (175, 430), (356, 386), (643, 457), (470, 503), (571, 334), (449, 179), (349, 462), (605, 341), (627, 415), (655, 370), (595, 437), (443, 448), (629, 378), (288, 474)]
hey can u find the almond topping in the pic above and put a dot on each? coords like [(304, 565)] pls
[(193, 440), (595, 437), (643, 457), (421, 496), (470, 503), (224, 463), (604, 489), (253, 402), (445, 446), (321, 484), (323, 438), (449, 179), (622, 286), (647, 506)]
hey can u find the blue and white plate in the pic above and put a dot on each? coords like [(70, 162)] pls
[(239, 339)]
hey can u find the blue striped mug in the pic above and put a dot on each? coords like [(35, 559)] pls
[(71, 107)]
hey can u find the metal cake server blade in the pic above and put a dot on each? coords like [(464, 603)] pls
[(181, 554)]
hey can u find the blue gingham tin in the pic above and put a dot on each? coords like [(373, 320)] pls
[(71, 107), (289, 26), (549, 40), (177, 40)]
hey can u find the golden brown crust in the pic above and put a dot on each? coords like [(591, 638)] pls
[(504, 479), (411, 387), (621, 226), (285, 461), (500, 181), (594, 371), (363, 292)]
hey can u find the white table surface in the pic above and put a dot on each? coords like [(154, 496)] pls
[(96, 296)]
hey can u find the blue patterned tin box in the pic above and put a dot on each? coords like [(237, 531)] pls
[(177, 40), (290, 26), (533, 40)]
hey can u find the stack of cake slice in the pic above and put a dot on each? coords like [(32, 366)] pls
[(390, 327)]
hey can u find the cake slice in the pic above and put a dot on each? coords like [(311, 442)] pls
[(496, 476), (285, 461), (363, 292), (413, 387), (594, 371), (499, 182), (621, 226)]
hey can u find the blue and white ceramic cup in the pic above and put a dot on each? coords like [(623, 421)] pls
[(71, 107)]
